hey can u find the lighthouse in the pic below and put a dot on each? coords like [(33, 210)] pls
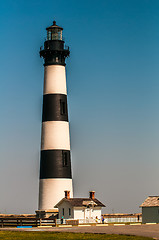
[(55, 159)]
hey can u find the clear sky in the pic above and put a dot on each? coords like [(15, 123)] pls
[(113, 96)]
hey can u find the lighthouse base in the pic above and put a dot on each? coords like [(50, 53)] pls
[(49, 213)]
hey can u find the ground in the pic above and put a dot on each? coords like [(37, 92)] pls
[(14, 235)]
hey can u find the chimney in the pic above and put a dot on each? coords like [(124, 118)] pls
[(92, 194), (67, 194)]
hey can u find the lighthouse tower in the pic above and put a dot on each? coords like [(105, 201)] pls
[(55, 161)]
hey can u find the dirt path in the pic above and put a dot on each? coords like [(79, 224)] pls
[(140, 230)]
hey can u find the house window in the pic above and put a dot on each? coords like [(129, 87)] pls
[(66, 157), (63, 107), (63, 211), (69, 211)]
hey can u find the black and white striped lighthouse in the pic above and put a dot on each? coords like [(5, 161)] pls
[(55, 162)]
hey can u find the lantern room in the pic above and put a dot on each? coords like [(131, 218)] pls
[(54, 51), (54, 32)]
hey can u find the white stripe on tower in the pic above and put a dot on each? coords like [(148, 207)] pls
[(48, 194), (55, 135), (55, 79), (55, 163)]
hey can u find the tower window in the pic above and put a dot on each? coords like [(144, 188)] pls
[(48, 35), (66, 157), (57, 59), (63, 107), (63, 211), (69, 211)]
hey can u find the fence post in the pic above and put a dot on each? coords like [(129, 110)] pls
[(2, 223), (40, 222)]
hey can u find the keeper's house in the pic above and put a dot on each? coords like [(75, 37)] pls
[(79, 208), (150, 210)]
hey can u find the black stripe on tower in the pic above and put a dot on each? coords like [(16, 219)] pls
[(55, 107), (55, 164)]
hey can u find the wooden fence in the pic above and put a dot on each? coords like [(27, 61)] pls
[(32, 222)]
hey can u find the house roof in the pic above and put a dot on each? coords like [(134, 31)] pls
[(151, 201), (81, 202)]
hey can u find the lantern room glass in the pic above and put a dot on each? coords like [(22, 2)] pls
[(54, 34)]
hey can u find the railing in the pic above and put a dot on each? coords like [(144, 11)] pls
[(123, 220), (33, 222), (87, 220), (65, 48), (75, 221), (60, 221)]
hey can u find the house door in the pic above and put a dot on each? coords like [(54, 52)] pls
[(88, 213)]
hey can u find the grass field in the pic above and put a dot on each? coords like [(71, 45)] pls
[(9, 235)]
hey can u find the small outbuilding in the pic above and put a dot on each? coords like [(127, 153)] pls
[(79, 208), (150, 210)]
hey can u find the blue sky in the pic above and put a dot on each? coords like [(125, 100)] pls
[(112, 78)]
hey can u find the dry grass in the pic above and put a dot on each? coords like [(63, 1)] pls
[(13, 235)]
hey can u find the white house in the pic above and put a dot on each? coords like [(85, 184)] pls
[(150, 210), (79, 208)]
